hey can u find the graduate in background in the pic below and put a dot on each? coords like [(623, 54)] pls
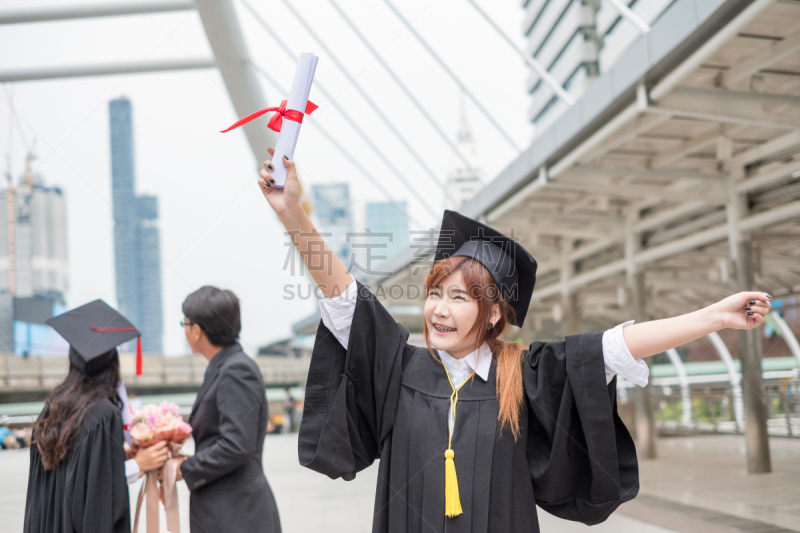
[(77, 481), (521, 425)]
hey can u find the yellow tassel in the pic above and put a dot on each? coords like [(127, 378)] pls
[(452, 502)]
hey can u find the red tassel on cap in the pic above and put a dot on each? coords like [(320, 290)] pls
[(138, 356), (138, 344)]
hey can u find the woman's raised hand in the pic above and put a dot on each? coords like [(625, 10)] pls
[(744, 310), (328, 271), (281, 200)]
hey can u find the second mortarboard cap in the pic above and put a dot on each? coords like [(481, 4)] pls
[(512, 267), (93, 332)]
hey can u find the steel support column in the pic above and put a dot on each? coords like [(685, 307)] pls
[(644, 414), (233, 60), (570, 316), (69, 12), (107, 69), (755, 409)]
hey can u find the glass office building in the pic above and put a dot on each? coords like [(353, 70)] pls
[(137, 241)]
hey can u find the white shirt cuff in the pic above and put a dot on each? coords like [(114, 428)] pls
[(618, 358), (131, 471), (337, 312)]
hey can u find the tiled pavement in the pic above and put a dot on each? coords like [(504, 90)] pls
[(698, 485)]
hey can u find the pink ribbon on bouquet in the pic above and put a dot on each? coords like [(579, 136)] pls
[(150, 490)]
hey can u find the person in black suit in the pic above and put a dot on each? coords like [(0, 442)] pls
[(229, 491)]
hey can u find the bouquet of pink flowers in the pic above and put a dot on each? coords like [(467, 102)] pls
[(151, 424), (157, 422)]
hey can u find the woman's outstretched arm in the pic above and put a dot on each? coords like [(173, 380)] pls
[(744, 310), (325, 267)]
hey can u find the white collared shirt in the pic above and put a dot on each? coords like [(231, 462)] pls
[(131, 471), (337, 315), (478, 361)]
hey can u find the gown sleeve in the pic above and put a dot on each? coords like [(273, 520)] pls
[(100, 500), (582, 458), (352, 393)]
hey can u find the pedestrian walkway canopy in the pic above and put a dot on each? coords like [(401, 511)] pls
[(689, 142)]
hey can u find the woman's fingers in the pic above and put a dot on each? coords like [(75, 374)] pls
[(757, 305), (753, 322), (271, 151), (290, 170), (266, 176), (268, 165), (265, 187), (757, 296), (757, 308)]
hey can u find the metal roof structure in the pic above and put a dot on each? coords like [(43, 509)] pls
[(641, 171)]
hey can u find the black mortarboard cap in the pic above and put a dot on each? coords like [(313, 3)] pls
[(93, 332), (511, 266)]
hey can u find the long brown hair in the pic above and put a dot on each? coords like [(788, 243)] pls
[(67, 406), (507, 355)]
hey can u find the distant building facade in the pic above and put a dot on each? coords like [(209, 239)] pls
[(389, 220), (576, 41), (333, 210), (137, 240), (41, 268)]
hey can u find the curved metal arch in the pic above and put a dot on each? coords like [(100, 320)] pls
[(736, 386), (686, 397), (788, 335)]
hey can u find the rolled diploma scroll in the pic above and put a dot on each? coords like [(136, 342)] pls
[(127, 412), (290, 130)]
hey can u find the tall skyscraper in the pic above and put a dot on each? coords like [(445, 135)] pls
[(390, 219), (137, 241), (332, 208), (464, 179), (41, 269)]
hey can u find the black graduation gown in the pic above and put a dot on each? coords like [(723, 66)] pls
[(86, 492), (385, 399)]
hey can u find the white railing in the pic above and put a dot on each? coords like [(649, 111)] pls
[(43, 373)]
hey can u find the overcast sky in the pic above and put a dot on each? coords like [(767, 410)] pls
[(216, 227)]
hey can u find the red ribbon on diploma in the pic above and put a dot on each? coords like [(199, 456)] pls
[(276, 121)]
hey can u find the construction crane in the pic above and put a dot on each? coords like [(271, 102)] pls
[(10, 204)]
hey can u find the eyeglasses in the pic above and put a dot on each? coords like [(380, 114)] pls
[(185, 323)]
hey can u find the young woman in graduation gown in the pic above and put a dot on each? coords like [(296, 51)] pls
[(473, 432), (77, 481)]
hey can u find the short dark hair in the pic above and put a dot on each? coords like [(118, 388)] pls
[(216, 312)]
